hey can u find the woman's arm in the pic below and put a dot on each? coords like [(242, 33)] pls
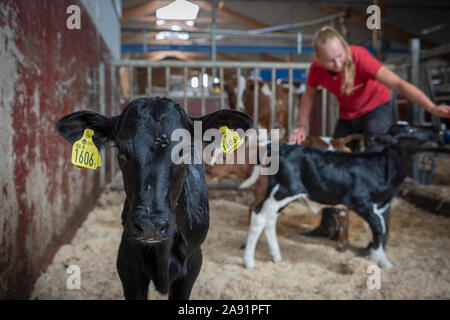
[(410, 92), (306, 104)]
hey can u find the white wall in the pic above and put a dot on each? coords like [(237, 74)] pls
[(106, 15)]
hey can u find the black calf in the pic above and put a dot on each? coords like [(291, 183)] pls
[(363, 182), (166, 212)]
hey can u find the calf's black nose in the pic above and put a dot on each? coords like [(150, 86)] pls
[(151, 225)]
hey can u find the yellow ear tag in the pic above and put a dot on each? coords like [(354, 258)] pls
[(347, 149), (84, 152), (230, 139)]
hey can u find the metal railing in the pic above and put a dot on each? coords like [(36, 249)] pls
[(237, 68)]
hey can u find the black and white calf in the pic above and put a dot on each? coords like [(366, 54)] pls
[(166, 212), (363, 182)]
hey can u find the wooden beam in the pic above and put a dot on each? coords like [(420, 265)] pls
[(159, 55), (227, 56), (243, 19), (200, 20), (269, 57), (360, 18), (141, 10)]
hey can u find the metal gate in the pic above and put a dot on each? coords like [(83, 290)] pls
[(238, 68)]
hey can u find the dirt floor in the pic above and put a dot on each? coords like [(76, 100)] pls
[(419, 248)]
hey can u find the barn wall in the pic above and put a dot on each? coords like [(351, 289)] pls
[(46, 71)]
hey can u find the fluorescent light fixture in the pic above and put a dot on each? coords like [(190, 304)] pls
[(178, 10), (160, 22), (194, 82), (205, 80), (175, 27), (189, 23), (160, 36), (182, 35)]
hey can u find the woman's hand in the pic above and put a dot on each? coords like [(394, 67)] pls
[(298, 136), (440, 111)]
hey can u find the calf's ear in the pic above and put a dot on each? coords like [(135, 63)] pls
[(230, 118), (71, 127)]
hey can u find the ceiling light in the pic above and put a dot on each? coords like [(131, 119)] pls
[(160, 22), (175, 27), (189, 23), (194, 82), (182, 35), (178, 10), (160, 36)]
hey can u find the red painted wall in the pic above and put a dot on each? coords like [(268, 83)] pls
[(46, 72)]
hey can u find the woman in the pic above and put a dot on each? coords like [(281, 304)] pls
[(360, 82)]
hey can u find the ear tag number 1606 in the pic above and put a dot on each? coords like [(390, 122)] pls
[(84, 152)]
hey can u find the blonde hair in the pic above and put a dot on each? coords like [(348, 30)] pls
[(327, 33)]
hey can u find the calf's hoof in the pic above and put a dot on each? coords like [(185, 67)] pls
[(276, 258), (379, 256), (341, 247), (249, 263)]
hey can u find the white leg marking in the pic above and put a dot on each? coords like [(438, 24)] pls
[(379, 213), (379, 256), (266, 91), (327, 140), (240, 92), (257, 224), (271, 234), (266, 219)]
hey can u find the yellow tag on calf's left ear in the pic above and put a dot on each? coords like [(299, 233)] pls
[(230, 139), (84, 152)]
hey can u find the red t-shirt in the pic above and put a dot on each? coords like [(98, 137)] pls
[(367, 93)]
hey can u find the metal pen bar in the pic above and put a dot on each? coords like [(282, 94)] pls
[(432, 93), (256, 102), (210, 64), (185, 101), (131, 81), (272, 102), (222, 93), (238, 77), (167, 81), (113, 105), (102, 102), (324, 112), (291, 75), (202, 91), (414, 46), (149, 81)]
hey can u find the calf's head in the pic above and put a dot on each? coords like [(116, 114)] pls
[(142, 135), (412, 138)]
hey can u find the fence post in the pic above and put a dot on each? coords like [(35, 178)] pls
[(101, 84)]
